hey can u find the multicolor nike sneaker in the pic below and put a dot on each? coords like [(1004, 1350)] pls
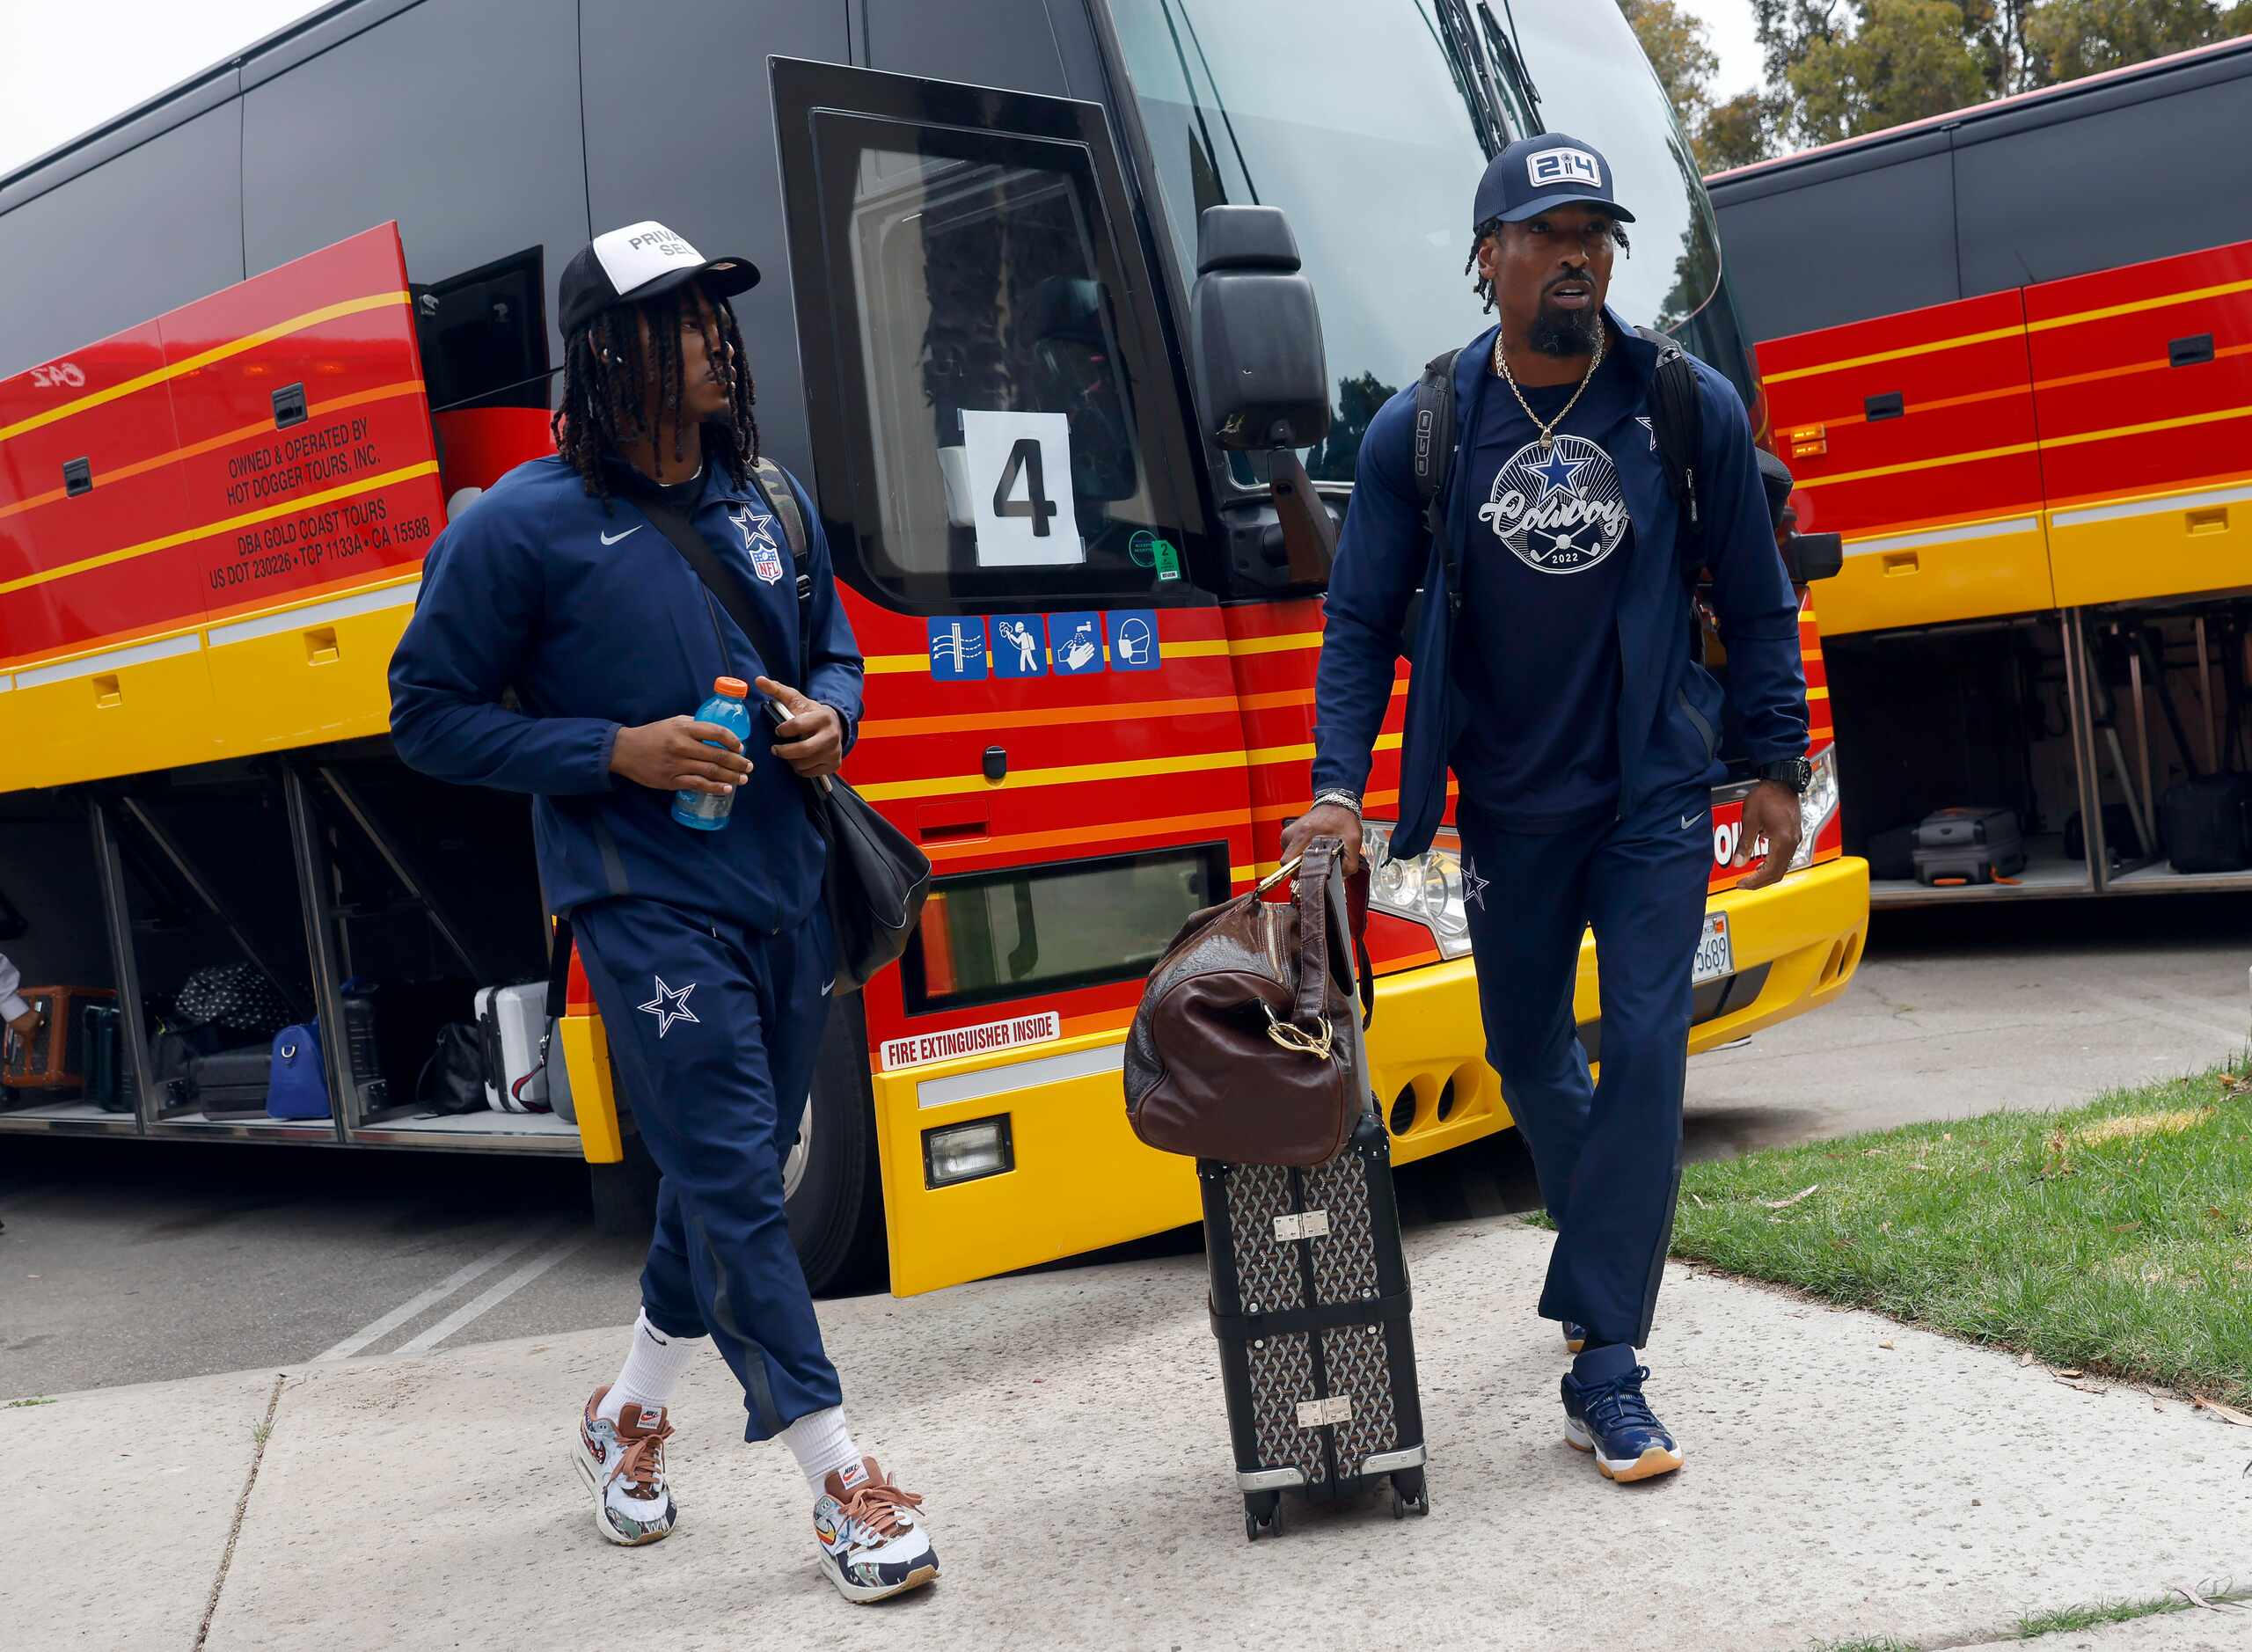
[(1605, 1414), (624, 1465), (871, 1536), (1575, 1337)]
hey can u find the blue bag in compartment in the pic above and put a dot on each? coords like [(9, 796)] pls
[(298, 1086)]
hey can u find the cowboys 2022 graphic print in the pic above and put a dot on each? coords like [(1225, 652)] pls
[(1558, 509)]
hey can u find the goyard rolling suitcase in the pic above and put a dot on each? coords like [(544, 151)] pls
[(1310, 1304)]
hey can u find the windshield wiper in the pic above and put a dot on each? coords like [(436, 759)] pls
[(1508, 51), (1459, 42)]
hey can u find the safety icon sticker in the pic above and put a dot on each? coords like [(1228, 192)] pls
[(1133, 640), (1075, 643), (1019, 649), (958, 649)]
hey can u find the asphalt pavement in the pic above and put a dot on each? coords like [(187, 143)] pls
[(133, 1262)]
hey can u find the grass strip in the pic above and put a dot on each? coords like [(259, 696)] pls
[(2113, 1239)]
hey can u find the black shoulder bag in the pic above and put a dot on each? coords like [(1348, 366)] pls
[(1677, 421), (877, 879)]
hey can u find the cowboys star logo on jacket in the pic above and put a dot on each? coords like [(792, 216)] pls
[(758, 539)]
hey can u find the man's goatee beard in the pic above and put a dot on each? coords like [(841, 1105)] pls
[(1562, 332)]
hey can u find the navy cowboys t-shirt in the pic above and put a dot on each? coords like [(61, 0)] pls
[(1537, 654)]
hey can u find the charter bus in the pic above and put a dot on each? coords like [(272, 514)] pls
[(270, 330), (2007, 355)]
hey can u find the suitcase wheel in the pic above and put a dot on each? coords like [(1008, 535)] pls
[(1262, 1514), (1409, 1495)]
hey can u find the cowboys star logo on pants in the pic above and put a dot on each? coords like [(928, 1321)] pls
[(1558, 509), (669, 1007)]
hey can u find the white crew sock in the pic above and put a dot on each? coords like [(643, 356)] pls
[(655, 1365), (822, 1441)]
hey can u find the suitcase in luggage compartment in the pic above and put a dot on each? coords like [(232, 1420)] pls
[(2206, 823), (53, 1058), (1310, 1304), (510, 1023), (109, 1086), (1969, 845), (232, 1083)]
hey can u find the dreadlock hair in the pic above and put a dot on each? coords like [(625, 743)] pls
[(1483, 287), (605, 374)]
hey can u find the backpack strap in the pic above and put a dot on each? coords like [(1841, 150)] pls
[(782, 500), (1677, 423), (1434, 455)]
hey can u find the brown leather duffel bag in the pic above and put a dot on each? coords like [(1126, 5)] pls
[(1247, 1047)]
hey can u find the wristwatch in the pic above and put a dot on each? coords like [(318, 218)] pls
[(1795, 772)]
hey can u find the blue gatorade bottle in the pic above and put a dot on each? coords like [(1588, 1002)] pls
[(707, 811)]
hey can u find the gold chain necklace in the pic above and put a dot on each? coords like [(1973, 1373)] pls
[(1548, 430)]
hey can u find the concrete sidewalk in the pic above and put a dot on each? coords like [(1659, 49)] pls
[(1068, 1429)]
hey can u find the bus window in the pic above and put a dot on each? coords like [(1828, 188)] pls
[(1868, 241), (1358, 130), (156, 227), (1012, 934), (978, 309)]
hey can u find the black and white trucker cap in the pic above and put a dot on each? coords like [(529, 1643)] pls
[(641, 261)]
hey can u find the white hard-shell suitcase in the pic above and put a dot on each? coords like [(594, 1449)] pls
[(510, 1023)]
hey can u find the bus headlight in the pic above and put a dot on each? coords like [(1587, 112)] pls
[(1818, 807), (1424, 890)]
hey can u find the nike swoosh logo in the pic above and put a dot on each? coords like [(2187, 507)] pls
[(612, 538), (1687, 820)]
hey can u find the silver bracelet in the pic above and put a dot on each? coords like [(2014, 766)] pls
[(1342, 799)]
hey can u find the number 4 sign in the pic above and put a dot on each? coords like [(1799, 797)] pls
[(1020, 467)]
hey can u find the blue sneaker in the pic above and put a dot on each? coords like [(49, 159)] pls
[(1575, 1337), (1605, 1414)]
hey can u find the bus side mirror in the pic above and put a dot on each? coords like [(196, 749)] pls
[(1260, 373), (1807, 556)]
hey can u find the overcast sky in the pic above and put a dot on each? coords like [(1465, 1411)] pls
[(53, 86)]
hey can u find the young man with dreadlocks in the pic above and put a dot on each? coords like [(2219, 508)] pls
[(709, 953), (1558, 683)]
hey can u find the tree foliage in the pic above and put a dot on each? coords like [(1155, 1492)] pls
[(1908, 59), (1837, 69), (2072, 38)]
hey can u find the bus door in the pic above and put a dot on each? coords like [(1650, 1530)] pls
[(1013, 503)]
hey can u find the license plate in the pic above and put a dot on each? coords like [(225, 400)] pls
[(1715, 953)]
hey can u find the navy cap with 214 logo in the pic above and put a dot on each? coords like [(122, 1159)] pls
[(1542, 173)]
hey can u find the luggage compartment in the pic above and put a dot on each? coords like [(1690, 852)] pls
[(2127, 714), (333, 864)]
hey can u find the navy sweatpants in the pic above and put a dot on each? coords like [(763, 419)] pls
[(713, 1029), (1608, 1154)]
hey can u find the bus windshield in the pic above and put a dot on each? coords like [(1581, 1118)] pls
[(1354, 118)]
